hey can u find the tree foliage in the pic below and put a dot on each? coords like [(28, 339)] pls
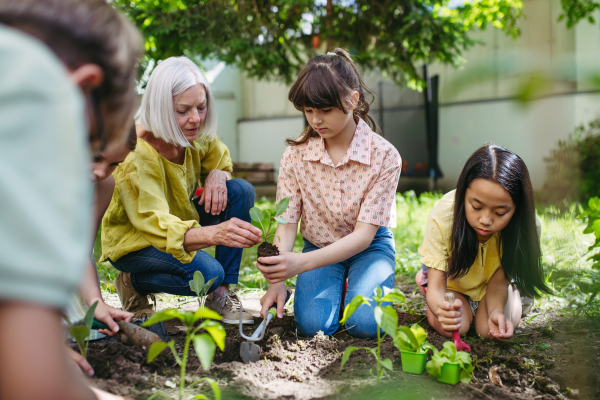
[(272, 39), (576, 10)]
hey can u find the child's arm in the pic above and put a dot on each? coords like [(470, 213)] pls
[(284, 239), (284, 266), (496, 297), (450, 316)]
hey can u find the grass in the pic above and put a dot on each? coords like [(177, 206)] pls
[(564, 248)]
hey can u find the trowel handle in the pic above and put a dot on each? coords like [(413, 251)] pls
[(449, 297)]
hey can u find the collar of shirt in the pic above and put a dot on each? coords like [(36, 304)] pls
[(359, 150)]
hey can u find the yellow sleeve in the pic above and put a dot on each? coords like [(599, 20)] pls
[(216, 157), (142, 190), (434, 249)]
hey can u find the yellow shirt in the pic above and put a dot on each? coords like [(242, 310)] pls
[(151, 204), (436, 251)]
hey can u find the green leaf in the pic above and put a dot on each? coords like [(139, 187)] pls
[(208, 285), (387, 319), (281, 221), (80, 333), (282, 206), (394, 296), (155, 350), (405, 339), (200, 396), (348, 352), (420, 334), (214, 386), (217, 332), (89, 315), (256, 214), (387, 363), (164, 315), (205, 349), (204, 312), (197, 283), (354, 304)]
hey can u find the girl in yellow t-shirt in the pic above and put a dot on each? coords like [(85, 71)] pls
[(480, 238)]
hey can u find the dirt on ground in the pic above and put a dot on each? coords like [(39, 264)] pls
[(550, 357)]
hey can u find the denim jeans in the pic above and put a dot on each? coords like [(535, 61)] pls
[(154, 271), (319, 292)]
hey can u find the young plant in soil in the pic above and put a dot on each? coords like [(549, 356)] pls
[(449, 355), (201, 289), (81, 333), (386, 318), (204, 343), (265, 221), (413, 345)]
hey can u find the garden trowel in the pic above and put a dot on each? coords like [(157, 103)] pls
[(460, 345), (133, 334), (250, 351)]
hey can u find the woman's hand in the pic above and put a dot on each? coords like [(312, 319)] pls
[(110, 316), (277, 293), (501, 329), (235, 233), (450, 315), (81, 362), (214, 194), (284, 266)]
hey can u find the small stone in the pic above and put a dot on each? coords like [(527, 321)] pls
[(180, 299), (170, 384)]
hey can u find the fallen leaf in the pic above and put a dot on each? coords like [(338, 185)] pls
[(494, 377)]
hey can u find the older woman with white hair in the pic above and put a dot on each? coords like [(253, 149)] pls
[(153, 231)]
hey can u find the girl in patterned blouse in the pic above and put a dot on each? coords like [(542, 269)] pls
[(479, 238), (341, 179)]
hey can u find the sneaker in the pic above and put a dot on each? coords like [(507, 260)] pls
[(527, 304), (228, 306), (131, 300)]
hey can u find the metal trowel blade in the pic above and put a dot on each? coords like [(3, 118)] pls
[(250, 352)]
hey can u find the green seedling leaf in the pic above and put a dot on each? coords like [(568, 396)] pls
[(282, 206), (215, 330), (419, 333), (89, 315), (205, 349), (281, 221), (387, 363), (354, 304), (393, 296), (348, 352), (449, 355), (200, 396), (405, 339), (213, 384), (208, 285), (197, 283), (80, 333), (164, 315), (387, 319), (203, 313), (256, 214), (155, 350)]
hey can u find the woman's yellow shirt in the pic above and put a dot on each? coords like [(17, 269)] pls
[(152, 201), (435, 251)]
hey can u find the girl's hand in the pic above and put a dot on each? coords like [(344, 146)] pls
[(277, 293), (81, 362), (501, 329), (214, 195), (279, 268), (110, 316), (450, 315)]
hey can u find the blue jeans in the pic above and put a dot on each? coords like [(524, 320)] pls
[(319, 292), (154, 271)]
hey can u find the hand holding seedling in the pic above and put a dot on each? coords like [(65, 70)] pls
[(501, 329), (450, 315), (214, 193), (279, 268)]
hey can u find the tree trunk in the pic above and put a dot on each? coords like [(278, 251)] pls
[(328, 24)]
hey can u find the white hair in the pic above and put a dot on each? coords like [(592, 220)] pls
[(170, 79)]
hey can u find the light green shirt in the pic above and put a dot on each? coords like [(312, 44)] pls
[(45, 194)]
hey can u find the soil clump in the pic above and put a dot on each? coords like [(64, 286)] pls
[(267, 249)]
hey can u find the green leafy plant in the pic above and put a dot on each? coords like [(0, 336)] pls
[(265, 220), (81, 333), (205, 344), (413, 339), (201, 289), (386, 318), (449, 354)]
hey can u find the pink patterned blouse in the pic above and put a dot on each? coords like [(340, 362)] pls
[(330, 198)]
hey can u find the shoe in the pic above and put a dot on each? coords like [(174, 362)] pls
[(527, 304), (228, 306), (131, 300)]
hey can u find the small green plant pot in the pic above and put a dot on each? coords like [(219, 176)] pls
[(450, 373), (413, 363)]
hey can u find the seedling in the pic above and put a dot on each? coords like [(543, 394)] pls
[(386, 318), (200, 288), (449, 355), (205, 344), (265, 221), (413, 339), (81, 333)]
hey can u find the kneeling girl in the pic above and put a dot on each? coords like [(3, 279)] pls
[(341, 179)]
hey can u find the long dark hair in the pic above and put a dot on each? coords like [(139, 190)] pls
[(328, 81), (520, 254)]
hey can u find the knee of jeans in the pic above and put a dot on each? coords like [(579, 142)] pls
[(309, 323), (242, 189), (363, 325)]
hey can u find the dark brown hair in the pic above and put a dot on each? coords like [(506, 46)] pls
[(88, 31), (131, 138), (520, 253), (328, 82)]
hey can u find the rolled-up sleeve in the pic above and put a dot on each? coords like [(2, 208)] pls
[(380, 199), (143, 194), (287, 186), (216, 157), (434, 249)]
